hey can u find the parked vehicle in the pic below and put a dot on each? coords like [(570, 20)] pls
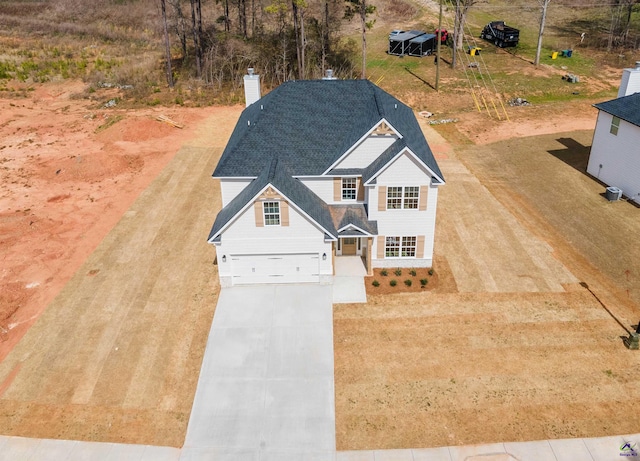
[(444, 35), (395, 32), (500, 34)]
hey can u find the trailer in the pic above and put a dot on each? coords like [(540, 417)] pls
[(423, 45), (500, 34), (399, 44)]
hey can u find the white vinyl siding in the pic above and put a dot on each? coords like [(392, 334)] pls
[(614, 160), (404, 222), (243, 238), (367, 152), (322, 187), (230, 188)]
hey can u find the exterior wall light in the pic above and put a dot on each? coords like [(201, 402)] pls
[(224, 258), (324, 256)]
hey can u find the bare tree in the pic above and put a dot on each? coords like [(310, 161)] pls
[(180, 25), (544, 4), (364, 10), (621, 12), (226, 20), (279, 8), (167, 45), (242, 17), (462, 9), (297, 8), (196, 26)]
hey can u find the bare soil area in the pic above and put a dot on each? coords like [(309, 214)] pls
[(68, 172), (110, 282)]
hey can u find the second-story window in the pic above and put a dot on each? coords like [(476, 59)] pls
[(349, 188), (271, 213), (615, 126), (402, 197), (411, 195)]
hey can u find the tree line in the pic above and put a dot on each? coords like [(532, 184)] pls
[(283, 39)]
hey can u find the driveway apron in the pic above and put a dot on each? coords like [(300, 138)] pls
[(266, 388)]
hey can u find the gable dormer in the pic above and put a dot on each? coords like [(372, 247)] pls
[(368, 148)]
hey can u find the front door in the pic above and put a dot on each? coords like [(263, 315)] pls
[(349, 246)]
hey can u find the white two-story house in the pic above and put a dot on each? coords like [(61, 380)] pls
[(615, 156), (321, 169)]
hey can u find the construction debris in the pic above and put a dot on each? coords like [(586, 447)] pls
[(518, 102), (165, 119), (571, 78), (443, 121)]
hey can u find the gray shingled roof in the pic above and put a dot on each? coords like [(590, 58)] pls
[(356, 215), (280, 177), (309, 124), (627, 108)]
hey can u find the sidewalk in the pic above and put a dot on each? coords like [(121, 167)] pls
[(594, 449)]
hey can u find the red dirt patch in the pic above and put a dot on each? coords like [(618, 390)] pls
[(68, 172)]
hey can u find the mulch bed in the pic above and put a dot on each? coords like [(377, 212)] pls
[(402, 280)]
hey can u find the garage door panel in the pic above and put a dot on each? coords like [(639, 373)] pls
[(282, 268)]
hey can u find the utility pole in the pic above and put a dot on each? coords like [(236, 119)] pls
[(545, 3), (438, 49), (455, 35)]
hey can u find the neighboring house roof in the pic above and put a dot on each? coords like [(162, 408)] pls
[(626, 108), (280, 177), (308, 125)]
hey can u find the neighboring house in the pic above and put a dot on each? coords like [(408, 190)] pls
[(320, 169), (615, 156)]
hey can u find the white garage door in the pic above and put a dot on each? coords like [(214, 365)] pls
[(282, 268)]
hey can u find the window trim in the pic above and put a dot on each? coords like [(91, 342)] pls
[(395, 244), (350, 190), (615, 125), (408, 244), (273, 215), (403, 244), (402, 199)]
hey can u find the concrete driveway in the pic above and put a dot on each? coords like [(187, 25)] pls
[(266, 388)]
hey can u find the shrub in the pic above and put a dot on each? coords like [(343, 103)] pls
[(412, 272), (393, 282), (423, 282), (407, 282), (398, 272), (384, 272), (430, 271), (375, 283)]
